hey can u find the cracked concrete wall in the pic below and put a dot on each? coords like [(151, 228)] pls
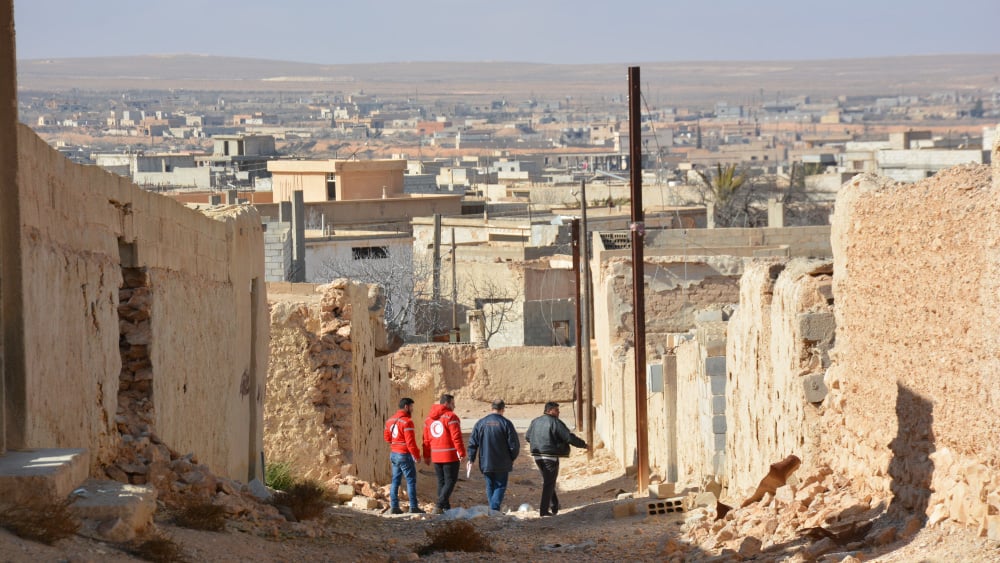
[(207, 335), (914, 395)]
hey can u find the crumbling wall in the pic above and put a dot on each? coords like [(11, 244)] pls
[(777, 354), (701, 404), (914, 398), (676, 289), (518, 375), (308, 409), (206, 340)]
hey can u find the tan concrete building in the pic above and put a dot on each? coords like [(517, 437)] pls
[(337, 180)]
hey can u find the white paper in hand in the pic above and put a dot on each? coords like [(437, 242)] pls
[(468, 470)]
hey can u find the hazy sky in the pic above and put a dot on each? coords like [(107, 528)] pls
[(547, 31)]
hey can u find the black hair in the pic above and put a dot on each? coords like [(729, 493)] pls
[(446, 398), (551, 405), (404, 402), (498, 405)]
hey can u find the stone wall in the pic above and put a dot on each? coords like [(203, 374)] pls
[(517, 375), (205, 339), (914, 396), (777, 354), (676, 289)]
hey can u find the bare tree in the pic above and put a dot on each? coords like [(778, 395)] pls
[(498, 302), (406, 281)]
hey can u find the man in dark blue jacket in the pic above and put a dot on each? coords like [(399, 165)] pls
[(494, 440), (550, 440)]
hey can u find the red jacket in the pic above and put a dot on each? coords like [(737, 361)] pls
[(400, 432), (443, 436)]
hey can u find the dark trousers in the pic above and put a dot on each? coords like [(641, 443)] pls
[(550, 471), (447, 475)]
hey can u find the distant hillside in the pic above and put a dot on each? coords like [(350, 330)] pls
[(680, 81)]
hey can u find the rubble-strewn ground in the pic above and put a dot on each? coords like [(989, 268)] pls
[(585, 530)]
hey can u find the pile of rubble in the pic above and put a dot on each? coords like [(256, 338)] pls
[(815, 518)]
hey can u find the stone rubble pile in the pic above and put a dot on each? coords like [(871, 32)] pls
[(803, 520)]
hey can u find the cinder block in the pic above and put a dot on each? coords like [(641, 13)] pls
[(814, 387), (661, 490), (817, 327), (345, 493), (715, 366), (718, 404), (665, 506), (718, 384), (719, 424), (719, 442)]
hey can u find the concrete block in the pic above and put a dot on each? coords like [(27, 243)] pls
[(661, 490), (114, 511), (814, 387), (623, 509), (817, 327), (718, 384), (345, 493), (719, 424), (706, 498), (709, 316), (364, 503), (665, 506), (45, 475), (715, 366), (718, 404), (719, 442)]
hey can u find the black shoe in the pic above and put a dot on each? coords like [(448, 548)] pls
[(555, 510), (395, 510), (417, 510), (546, 514)]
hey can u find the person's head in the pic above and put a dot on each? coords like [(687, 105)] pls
[(448, 401), (406, 404), (552, 408), (498, 406)]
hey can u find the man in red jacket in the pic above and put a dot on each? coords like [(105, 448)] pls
[(404, 456), (443, 445)]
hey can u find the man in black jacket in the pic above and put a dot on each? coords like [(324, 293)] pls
[(550, 440), (494, 440)]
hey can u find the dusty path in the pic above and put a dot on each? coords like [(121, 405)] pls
[(584, 530)]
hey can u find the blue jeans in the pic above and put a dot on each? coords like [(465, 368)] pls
[(496, 486), (403, 466)]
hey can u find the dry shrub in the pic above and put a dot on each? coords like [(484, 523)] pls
[(202, 516), (455, 535), (40, 521), (306, 499), (158, 548)]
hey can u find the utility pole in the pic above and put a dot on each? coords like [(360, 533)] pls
[(587, 322), (579, 324), (436, 290), (454, 288), (638, 230)]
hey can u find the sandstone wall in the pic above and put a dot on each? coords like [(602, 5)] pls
[(915, 400), (308, 408), (206, 336), (778, 343), (515, 374)]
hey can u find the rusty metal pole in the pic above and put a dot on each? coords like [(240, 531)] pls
[(638, 230), (579, 324), (587, 322)]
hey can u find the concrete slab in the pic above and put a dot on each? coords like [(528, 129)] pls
[(112, 510), (47, 475)]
